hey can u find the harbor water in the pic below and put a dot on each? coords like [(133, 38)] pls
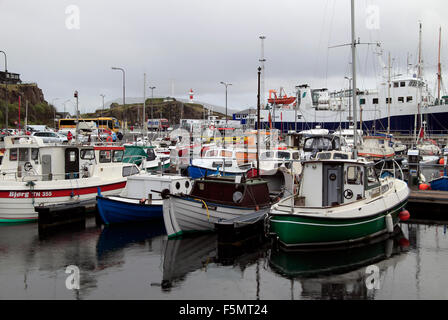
[(139, 262)]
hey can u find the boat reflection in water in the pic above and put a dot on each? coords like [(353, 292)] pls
[(339, 273), (182, 256), (115, 238)]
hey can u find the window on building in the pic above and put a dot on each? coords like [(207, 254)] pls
[(388, 100), (362, 101), (409, 99), (403, 84), (375, 101), (401, 99), (396, 84)]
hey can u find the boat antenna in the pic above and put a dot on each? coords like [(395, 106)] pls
[(355, 118), (258, 124)]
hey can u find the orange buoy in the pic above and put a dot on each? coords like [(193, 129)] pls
[(404, 215), (442, 161), (423, 186)]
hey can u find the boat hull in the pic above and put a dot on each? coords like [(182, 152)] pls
[(295, 230), (186, 215), (121, 210), (18, 203)]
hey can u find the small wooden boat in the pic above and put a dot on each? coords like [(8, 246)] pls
[(214, 199)]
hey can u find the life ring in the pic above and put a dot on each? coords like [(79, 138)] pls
[(109, 139)]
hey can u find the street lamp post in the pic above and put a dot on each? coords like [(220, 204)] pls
[(6, 90), (124, 93), (64, 105), (144, 126), (226, 85), (102, 96), (77, 116), (152, 102), (54, 112)]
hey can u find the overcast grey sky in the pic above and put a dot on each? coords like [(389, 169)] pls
[(198, 43)]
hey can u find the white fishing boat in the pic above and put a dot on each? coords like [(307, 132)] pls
[(34, 173), (222, 161), (376, 148)]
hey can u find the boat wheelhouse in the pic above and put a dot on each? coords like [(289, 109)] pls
[(34, 173)]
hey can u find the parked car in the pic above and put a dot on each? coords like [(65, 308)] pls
[(51, 137)]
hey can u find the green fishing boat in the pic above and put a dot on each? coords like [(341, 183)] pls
[(339, 201)]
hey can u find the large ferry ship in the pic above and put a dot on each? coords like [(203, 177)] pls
[(411, 105)]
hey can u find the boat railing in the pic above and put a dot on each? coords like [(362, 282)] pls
[(25, 176)]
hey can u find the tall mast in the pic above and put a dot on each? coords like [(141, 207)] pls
[(419, 74), (262, 60), (439, 72), (388, 99), (355, 116)]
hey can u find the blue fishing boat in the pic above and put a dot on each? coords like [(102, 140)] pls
[(142, 199), (121, 209)]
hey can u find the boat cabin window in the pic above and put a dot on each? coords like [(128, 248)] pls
[(13, 154), (24, 154), (400, 99), (105, 156), (117, 156), (340, 156), (87, 154), (409, 99), (267, 155), (375, 101), (226, 154), (354, 175), (150, 154), (324, 156), (362, 101), (396, 84), (211, 153), (34, 154), (129, 171), (402, 84), (372, 178), (388, 100), (283, 155), (72, 156)]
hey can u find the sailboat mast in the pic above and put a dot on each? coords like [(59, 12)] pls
[(388, 99), (355, 117), (439, 72)]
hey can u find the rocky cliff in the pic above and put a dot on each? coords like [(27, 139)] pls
[(39, 111)]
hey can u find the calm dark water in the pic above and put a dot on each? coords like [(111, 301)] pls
[(138, 262)]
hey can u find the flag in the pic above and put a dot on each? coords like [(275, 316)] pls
[(421, 133)]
